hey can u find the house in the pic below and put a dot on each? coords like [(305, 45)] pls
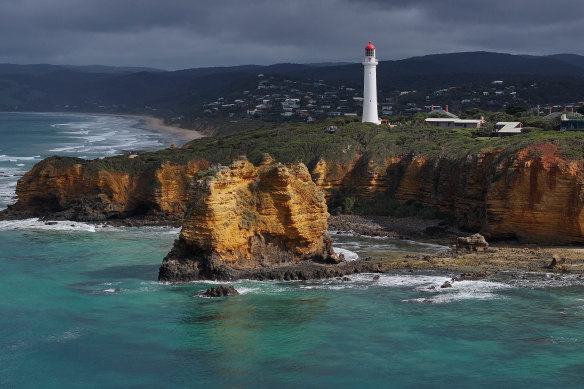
[(452, 123), (572, 122), (508, 128)]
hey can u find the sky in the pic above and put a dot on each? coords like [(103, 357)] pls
[(181, 34)]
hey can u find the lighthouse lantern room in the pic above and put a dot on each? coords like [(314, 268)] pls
[(370, 85)]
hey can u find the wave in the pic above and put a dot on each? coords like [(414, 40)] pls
[(68, 226), (9, 158), (429, 286), (537, 280), (349, 255), (36, 224), (80, 132)]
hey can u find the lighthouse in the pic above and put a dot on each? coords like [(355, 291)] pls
[(370, 86)]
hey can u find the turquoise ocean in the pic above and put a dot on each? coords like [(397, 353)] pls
[(80, 306)]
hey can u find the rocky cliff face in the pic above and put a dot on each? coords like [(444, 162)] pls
[(534, 194), (250, 217), (74, 189)]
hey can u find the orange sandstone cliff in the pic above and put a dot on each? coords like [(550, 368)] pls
[(534, 194), (246, 218), (76, 189)]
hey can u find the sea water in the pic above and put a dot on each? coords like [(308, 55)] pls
[(80, 307)]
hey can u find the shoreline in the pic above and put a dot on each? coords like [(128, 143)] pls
[(499, 257), (145, 122), (155, 124)]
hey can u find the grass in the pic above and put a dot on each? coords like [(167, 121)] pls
[(308, 143)]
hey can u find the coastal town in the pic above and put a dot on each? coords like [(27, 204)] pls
[(276, 99)]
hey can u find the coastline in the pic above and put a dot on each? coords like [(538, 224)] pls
[(499, 257), (152, 123), (145, 122)]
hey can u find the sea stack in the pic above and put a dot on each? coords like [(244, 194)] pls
[(242, 217)]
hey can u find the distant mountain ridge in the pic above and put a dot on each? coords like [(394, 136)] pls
[(134, 89), (39, 69)]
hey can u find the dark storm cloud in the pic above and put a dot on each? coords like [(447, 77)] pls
[(190, 33)]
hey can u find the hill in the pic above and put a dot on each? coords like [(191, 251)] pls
[(407, 84)]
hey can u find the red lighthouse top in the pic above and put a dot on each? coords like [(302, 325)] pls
[(370, 46)]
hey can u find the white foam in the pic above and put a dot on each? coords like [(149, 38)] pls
[(36, 224), (9, 158), (536, 280), (244, 290), (380, 244), (67, 148), (80, 132), (429, 285), (349, 255)]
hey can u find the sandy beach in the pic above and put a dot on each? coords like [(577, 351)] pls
[(145, 122), (156, 124)]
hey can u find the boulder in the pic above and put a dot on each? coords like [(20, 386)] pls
[(474, 242), (220, 291), (446, 284)]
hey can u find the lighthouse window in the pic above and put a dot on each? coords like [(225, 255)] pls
[(369, 52)]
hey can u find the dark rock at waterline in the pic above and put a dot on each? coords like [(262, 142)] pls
[(178, 268), (446, 284), (220, 291), (346, 279), (473, 276), (556, 262), (376, 277)]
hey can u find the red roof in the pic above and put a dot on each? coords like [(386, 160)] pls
[(369, 46)]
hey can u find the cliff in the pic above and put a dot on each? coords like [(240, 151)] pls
[(534, 195), (248, 218), (527, 187), (76, 189)]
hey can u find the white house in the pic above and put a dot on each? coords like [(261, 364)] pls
[(508, 128), (451, 123)]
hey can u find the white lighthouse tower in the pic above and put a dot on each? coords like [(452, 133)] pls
[(370, 86)]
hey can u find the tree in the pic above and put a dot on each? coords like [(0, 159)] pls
[(515, 109)]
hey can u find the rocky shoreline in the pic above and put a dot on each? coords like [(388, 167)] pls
[(498, 257), (464, 264)]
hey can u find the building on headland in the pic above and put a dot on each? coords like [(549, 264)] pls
[(444, 112), (572, 122), (370, 86), (455, 122), (508, 128)]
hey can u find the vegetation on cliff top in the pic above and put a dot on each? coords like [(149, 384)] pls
[(309, 143)]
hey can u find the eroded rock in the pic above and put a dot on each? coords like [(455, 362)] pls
[(474, 242), (247, 218), (220, 291)]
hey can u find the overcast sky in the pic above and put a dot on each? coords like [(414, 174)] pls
[(179, 34)]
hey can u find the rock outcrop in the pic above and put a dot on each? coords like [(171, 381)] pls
[(76, 189), (248, 218), (474, 242), (220, 291)]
